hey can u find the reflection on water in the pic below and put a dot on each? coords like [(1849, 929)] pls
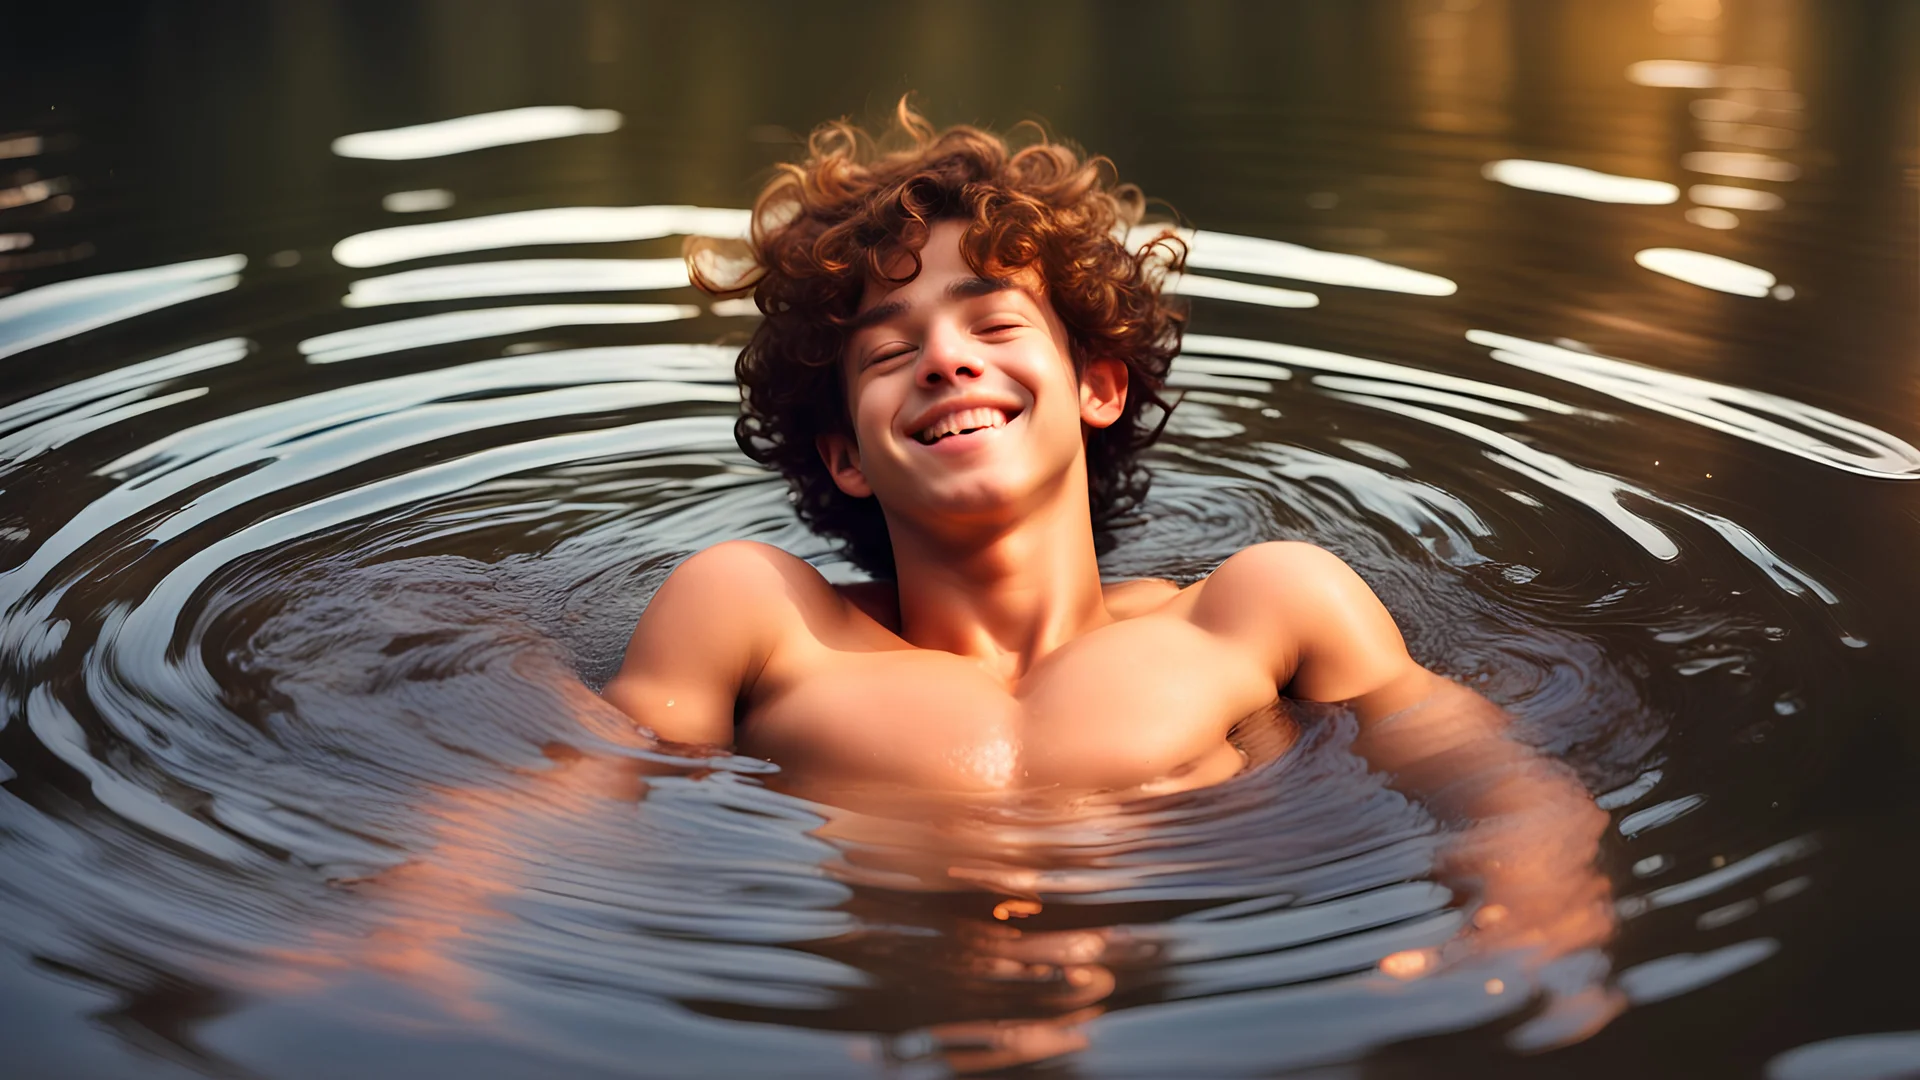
[(518, 277), (1856, 1057), (1795, 428), (466, 133), (309, 567), (1276, 258), (560, 225), (1580, 183), (380, 339), (1707, 271), (416, 202), (52, 312)]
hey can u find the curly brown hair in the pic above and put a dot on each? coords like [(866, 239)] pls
[(823, 227)]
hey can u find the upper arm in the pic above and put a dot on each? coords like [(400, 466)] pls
[(1326, 634), (702, 639), (1331, 639)]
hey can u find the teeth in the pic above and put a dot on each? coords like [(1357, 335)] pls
[(960, 421)]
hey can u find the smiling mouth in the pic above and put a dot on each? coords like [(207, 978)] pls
[(964, 422)]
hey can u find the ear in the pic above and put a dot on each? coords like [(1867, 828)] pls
[(842, 458), (1103, 391)]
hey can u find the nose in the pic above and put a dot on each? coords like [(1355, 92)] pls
[(946, 358)]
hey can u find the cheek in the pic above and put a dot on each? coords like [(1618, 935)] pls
[(872, 413)]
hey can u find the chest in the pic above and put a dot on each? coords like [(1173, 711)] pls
[(1134, 702)]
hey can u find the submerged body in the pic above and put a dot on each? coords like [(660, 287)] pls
[(997, 661), (1143, 701), (950, 375)]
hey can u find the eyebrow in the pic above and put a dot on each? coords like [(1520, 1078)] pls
[(964, 289)]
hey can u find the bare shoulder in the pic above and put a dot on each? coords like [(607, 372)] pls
[(746, 566), (1305, 607), (747, 585), (1281, 569), (708, 632), (737, 588)]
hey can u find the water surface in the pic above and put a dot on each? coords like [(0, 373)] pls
[(354, 404)]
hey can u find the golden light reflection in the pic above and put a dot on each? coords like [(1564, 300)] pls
[(1710, 218), (1707, 271), (1734, 198), (1558, 179), (1756, 110), (1682, 74), (1744, 164), (1015, 909), (1409, 963)]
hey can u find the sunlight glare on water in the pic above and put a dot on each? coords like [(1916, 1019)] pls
[(319, 525)]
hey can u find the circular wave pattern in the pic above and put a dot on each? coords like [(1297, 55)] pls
[(296, 646)]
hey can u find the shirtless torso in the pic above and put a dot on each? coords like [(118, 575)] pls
[(999, 662), (820, 680), (996, 662)]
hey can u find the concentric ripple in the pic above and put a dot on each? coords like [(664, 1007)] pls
[(297, 643)]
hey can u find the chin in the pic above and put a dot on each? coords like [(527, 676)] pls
[(978, 501), (989, 495)]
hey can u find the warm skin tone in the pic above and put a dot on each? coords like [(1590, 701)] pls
[(1002, 667), (1018, 668)]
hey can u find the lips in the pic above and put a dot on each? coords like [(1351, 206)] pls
[(964, 421)]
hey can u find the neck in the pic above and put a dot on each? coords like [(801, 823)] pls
[(1005, 594)]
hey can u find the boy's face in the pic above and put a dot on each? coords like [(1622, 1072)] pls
[(963, 394)]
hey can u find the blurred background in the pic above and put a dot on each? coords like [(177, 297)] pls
[(1625, 295)]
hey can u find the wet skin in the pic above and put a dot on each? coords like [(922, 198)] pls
[(1000, 666), (1000, 662)]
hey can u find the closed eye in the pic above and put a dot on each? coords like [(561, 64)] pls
[(892, 353)]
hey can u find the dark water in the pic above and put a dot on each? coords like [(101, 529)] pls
[(298, 776)]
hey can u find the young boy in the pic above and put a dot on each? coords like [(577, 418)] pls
[(960, 362)]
